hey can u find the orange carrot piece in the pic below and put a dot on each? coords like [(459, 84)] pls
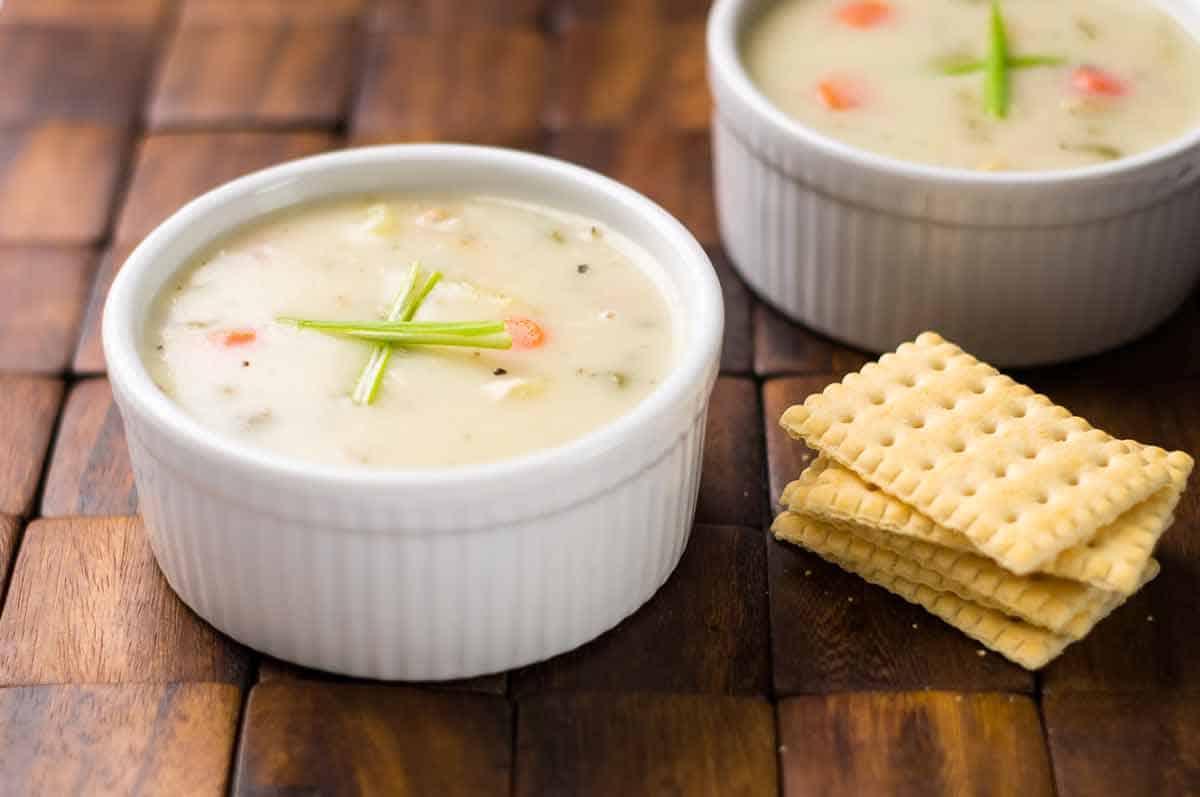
[(838, 94), (525, 333), (1095, 81), (864, 14), (233, 337)]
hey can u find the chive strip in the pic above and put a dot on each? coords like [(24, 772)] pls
[(1016, 62), (495, 340), (465, 328), (996, 87), (405, 306)]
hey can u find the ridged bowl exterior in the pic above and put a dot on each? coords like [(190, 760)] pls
[(393, 604), (419, 575), (1021, 270)]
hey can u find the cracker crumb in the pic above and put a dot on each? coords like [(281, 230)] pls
[(808, 572), (981, 653), (915, 626), (1149, 618), (850, 599)]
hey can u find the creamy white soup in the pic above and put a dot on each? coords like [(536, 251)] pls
[(587, 313), (1082, 81)]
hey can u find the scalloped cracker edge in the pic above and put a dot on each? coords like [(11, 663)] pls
[(1114, 560), (978, 453), (1027, 645), (1064, 607)]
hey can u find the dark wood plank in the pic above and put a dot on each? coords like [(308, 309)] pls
[(834, 632), (272, 669), (616, 74), (451, 85), (1150, 643), (737, 352), (76, 72), (43, 165), (532, 140), (633, 744), (565, 13), (672, 167), (267, 12), (90, 472), (28, 409), (171, 169), (254, 75), (87, 604), (731, 486), (89, 354), (913, 743), (305, 737), (1124, 744), (41, 305), (783, 347), (705, 630), (425, 16), (115, 13), (118, 740), (10, 531)]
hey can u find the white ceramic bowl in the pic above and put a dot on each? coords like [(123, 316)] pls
[(421, 574), (1020, 268)]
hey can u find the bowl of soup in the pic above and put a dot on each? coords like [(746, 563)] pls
[(1021, 174), (419, 411)]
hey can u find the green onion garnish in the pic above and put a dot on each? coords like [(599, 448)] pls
[(996, 88), (471, 334), (405, 306), (967, 66)]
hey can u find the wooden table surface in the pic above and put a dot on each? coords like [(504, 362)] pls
[(758, 668)]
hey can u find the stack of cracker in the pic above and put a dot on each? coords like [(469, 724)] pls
[(960, 490)]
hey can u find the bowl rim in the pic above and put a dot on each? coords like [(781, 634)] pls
[(726, 20), (694, 366)]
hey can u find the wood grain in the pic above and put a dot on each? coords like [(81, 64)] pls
[(1124, 744), (114, 13), (425, 16), (1151, 643), (783, 347), (254, 76), (171, 169), (90, 472), (43, 164), (53, 71), (272, 669), (89, 354), (737, 350), (672, 167), (267, 12), (87, 604), (565, 13), (28, 408), (616, 74), (446, 86), (117, 740), (41, 305), (635, 744), (10, 532), (705, 630), (913, 743), (305, 737), (834, 632), (731, 485)]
